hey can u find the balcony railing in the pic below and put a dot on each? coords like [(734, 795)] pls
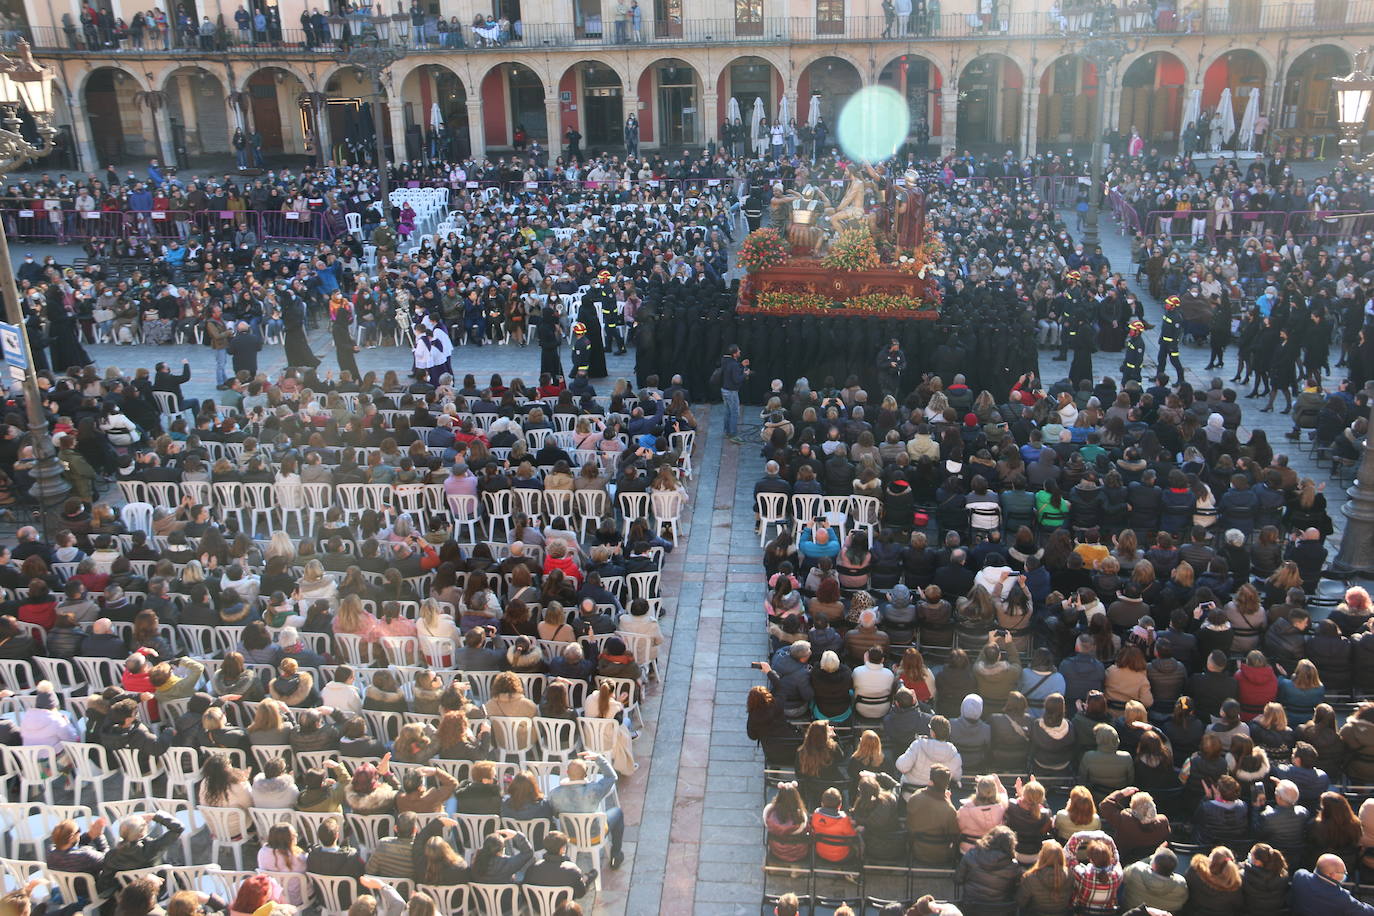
[(1322, 16)]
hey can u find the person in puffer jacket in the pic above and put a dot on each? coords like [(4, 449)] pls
[(926, 751), (988, 873), (1223, 820), (1108, 768), (1358, 735), (985, 809), (789, 676), (971, 735), (1257, 684)]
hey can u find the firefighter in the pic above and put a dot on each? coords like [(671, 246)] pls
[(1134, 359), (1169, 333)]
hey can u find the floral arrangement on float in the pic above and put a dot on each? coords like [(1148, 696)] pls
[(853, 250), (809, 303), (926, 256), (762, 249)]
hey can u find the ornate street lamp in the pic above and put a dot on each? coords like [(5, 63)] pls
[(1353, 94), (1104, 52), (1356, 553), (372, 60), (27, 84)]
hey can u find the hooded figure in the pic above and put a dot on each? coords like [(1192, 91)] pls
[(970, 734), (1108, 768)]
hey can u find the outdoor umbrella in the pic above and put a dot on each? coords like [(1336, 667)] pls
[(784, 111), (1245, 139), (813, 113), (436, 118), (1191, 110), (754, 120), (1224, 125), (732, 110)]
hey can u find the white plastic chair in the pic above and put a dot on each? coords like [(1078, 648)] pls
[(137, 517), (557, 737), (35, 767), (494, 899), (334, 893), (75, 886), (512, 735), (229, 829), (91, 767), (587, 833), (138, 769), (772, 509), (544, 901)]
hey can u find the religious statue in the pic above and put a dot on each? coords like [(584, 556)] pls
[(804, 232), (909, 219), (850, 212)]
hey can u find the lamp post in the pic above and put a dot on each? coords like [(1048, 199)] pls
[(1356, 553), (1103, 52), (25, 83), (373, 58)]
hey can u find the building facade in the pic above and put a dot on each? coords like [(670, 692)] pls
[(986, 75)]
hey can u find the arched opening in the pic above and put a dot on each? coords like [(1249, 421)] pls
[(591, 99), (830, 79), (918, 81), (117, 134), (198, 114), (513, 99), (352, 128), (745, 80), (1068, 92), (989, 108), (1152, 91), (1240, 72), (1308, 102), (670, 112), (274, 111), (436, 113)]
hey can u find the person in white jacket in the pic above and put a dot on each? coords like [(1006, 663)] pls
[(873, 684), (43, 724), (926, 751), (341, 694)]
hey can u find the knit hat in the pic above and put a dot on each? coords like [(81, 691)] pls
[(45, 699), (970, 419), (288, 637)]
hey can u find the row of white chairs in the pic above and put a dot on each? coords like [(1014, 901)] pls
[(846, 513), (330, 894)]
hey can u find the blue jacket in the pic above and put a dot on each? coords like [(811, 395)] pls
[(809, 549), (1313, 895), (1082, 673), (584, 797)]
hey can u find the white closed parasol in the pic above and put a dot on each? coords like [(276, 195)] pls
[(813, 113), (1245, 138), (1224, 124), (1191, 110), (784, 111), (732, 110)]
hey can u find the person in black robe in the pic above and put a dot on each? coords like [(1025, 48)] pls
[(340, 328), (646, 344), (1316, 342), (549, 336), (1111, 324), (298, 352), (1262, 356), (38, 340), (589, 313), (1219, 331), (63, 342), (1283, 370)]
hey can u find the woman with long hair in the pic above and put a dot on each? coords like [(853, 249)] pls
[(1045, 888), (1078, 815), (1214, 883), (1265, 882), (785, 820), (281, 853), (224, 786), (1336, 829)]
